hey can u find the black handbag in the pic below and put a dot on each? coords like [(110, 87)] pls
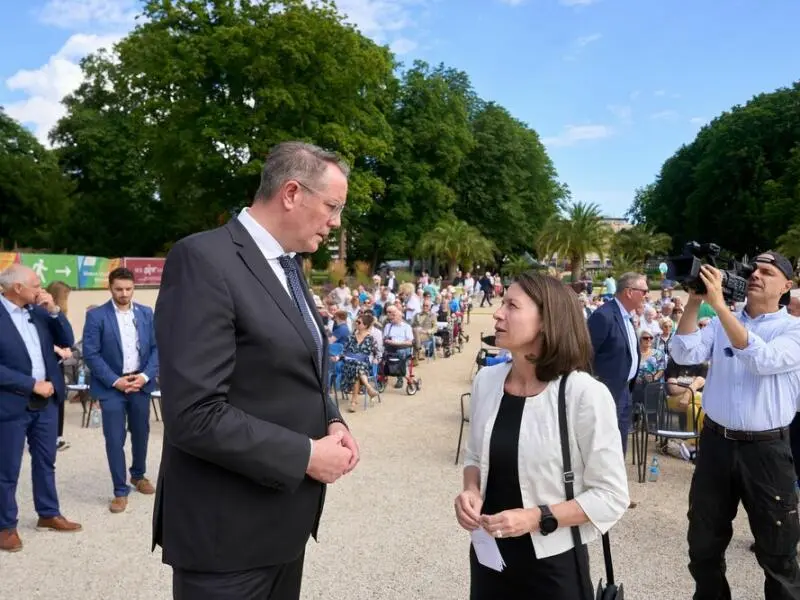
[(609, 591)]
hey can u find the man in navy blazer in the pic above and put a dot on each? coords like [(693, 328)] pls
[(31, 387), (616, 349), (119, 347)]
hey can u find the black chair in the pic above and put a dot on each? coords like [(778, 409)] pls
[(654, 418), (464, 419)]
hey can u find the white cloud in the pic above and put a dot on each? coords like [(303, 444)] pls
[(622, 111), (46, 86), (665, 115), (70, 14), (403, 46), (378, 19), (580, 44), (577, 2), (698, 121), (574, 134)]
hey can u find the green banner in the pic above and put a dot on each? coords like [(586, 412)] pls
[(93, 271), (53, 267)]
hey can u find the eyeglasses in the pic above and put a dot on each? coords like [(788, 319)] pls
[(646, 338), (642, 290), (334, 207)]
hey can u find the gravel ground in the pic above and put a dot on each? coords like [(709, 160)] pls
[(388, 532)]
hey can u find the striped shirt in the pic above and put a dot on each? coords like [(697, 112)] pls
[(753, 389)]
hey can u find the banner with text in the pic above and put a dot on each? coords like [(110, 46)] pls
[(7, 259), (93, 271), (53, 267), (146, 271)]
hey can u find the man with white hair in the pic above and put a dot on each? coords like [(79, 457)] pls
[(31, 387), (650, 323)]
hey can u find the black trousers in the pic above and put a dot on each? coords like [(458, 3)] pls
[(61, 418), (761, 475), (278, 582), (794, 439), (552, 578)]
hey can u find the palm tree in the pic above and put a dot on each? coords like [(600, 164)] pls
[(455, 241), (574, 234), (637, 244)]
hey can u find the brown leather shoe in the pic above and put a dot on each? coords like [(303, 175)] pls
[(143, 486), (9, 540), (59, 524), (118, 504)]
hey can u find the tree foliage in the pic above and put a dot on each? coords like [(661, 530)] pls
[(167, 134), (574, 233), (457, 242), (34, 193), (737, 184), (636, 244)]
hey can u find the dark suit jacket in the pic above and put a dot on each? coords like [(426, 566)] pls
[(242, 394), (102, 348), (612, 358), (16, 383)]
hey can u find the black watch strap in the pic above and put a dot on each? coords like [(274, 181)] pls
[(548, 522)]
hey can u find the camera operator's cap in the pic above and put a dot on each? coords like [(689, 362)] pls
[(779, 261)]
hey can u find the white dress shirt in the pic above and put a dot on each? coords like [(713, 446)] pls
[(30, 336), (270, 248), (601, 482), (753, 389), (129, 339), (633, 344)]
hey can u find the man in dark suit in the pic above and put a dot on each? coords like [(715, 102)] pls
[(616, 350), (251, 438), (119, 347), (31, 387)]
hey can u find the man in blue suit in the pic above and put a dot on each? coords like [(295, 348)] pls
[(616, 349), (31, 387), (119, 348)]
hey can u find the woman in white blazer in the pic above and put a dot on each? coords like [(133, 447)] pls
[(513, 470)]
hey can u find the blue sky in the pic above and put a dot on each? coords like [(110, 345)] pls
[(613, 87)]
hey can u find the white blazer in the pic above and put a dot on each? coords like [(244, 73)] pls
[(601, 482)]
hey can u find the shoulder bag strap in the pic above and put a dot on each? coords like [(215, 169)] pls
[(569, 481)]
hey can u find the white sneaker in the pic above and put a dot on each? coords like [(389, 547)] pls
[(686, 454)]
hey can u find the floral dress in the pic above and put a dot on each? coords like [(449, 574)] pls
[(650, 366), (366, 352)]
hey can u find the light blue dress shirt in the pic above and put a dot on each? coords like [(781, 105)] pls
[(30, 336), (633, 344), (753, 389)]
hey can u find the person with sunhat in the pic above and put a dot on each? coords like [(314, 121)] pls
[(749, 399)]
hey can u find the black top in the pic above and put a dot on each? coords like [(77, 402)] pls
[(502, 481)]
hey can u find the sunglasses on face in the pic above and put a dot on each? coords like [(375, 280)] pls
[(647, 339)]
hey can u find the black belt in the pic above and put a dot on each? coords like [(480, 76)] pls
[(746, 436), (131, 373)]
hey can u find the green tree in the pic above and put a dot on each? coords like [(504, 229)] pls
[(456, 242), (789, 242), (432, 135), (34, 193), (573, 234), (507, 185), (194, 98), (737, 184)]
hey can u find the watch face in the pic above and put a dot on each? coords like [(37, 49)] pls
[(549, 524)]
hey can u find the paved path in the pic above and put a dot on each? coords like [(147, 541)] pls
[(388, 532)]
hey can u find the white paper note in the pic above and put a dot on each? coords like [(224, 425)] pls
[(486, 550)]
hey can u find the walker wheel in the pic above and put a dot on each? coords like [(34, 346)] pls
[(411, 388)]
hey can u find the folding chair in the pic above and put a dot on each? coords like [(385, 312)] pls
[(464, 419)]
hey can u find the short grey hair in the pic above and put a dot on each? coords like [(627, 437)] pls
[(303, 162), (13, 274), (627, 280)]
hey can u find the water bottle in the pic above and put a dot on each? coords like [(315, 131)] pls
[(95, 419), (81, 376), (653, 474)]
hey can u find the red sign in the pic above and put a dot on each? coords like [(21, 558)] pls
[(146, 271)]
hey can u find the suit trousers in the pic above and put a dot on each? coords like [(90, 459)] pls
[(761, 475), (119, 410), (277, 582), (41, 429), (624, 407)]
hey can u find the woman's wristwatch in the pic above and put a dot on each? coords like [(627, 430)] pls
[(548, 522)]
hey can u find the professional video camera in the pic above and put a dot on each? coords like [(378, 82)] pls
[(685, 269)]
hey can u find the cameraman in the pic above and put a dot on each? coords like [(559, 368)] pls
[(749, 400)]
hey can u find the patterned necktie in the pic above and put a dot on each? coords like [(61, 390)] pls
[(289, 266)]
